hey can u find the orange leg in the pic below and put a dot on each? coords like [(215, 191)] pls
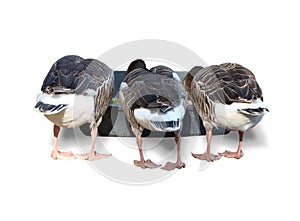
[(93, 155), (208, 156), (142, 163), (56, 154), (178, 164), (239, 153)]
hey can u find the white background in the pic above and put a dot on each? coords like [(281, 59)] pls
[(261, 35)]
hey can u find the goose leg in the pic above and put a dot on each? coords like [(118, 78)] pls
[(178, 164), (56, 154), (239, 153), (208, 156), (142, 163), (93, 155)]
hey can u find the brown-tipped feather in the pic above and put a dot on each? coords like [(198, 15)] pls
[(74, 74), (225, 84)]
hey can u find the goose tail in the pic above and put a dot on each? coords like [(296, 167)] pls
[(254, 109), (168, 125), (49, 104)]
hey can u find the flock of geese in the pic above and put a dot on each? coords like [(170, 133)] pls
[(77, 91)]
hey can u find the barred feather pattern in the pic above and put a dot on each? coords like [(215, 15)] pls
[(203, 105), (73, 74), (147, 89), (137, 130), (163, 70), (228, 83), (78, 74), (104, 95), (225, 84)]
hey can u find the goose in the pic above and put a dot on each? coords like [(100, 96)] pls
[(76, 91), (227, 96), (153, 99)]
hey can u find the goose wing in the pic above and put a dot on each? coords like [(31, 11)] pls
[(74, 74), (150, 90), (162, 70), (228, 83)]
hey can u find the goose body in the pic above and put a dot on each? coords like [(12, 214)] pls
[(153, 99), (227, 96), (76, 91)]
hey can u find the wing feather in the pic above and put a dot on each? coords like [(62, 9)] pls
[(150, 90), (78, 74), (228, 83)]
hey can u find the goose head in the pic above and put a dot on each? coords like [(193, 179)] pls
[(136, 64)]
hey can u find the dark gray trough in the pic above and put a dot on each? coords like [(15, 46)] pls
[(115, 124)]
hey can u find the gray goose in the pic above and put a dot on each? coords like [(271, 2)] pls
[(226, 96), (155, 100), (76, 91)]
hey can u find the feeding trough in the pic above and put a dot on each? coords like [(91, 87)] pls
[(115, 124)]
